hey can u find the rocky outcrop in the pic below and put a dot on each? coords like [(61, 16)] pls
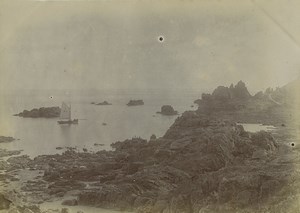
[(135, 103), (235, 103), (43, 112), (167, 110), (222, 93)]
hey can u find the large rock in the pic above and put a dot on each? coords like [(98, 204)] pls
[(167, 110)]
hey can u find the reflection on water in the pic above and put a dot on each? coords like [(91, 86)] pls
[(256, 127)]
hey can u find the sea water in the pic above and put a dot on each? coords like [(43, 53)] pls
[(38, 136)]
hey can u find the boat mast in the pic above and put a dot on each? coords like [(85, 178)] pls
[(70, 113)]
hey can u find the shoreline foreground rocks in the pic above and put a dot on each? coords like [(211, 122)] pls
[(43, 112)]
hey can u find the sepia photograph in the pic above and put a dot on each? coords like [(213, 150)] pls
[(149, 106)]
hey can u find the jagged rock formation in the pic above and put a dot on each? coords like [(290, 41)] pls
[(167, 110), (236, 103), (43, 112), (135, 103)]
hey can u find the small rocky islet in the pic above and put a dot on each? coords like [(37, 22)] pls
[(104, 103), (205, 162), (135, 103), (42, 112), (167, 110)]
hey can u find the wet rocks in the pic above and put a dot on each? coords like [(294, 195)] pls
[(167, 110), (43, 112)]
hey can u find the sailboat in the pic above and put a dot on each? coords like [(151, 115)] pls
[(65, 115)]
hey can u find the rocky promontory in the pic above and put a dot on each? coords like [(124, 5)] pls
[(167, 110), (43, 112), (135, 103)]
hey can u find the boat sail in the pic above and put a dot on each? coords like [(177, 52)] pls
[(65, 115)]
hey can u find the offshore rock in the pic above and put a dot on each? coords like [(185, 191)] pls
[(43, 112), (104, 103), (135, 103), (167, 110)]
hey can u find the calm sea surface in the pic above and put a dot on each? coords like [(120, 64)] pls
[(42, 135)]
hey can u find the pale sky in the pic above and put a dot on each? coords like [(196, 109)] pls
[(114, 44)]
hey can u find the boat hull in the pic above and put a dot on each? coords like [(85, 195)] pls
[(75, 121)]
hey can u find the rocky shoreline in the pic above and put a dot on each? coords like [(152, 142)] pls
[(205, 162)]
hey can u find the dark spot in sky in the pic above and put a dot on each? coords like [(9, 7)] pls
[(51, 97), (161, 38), (292, 144)]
